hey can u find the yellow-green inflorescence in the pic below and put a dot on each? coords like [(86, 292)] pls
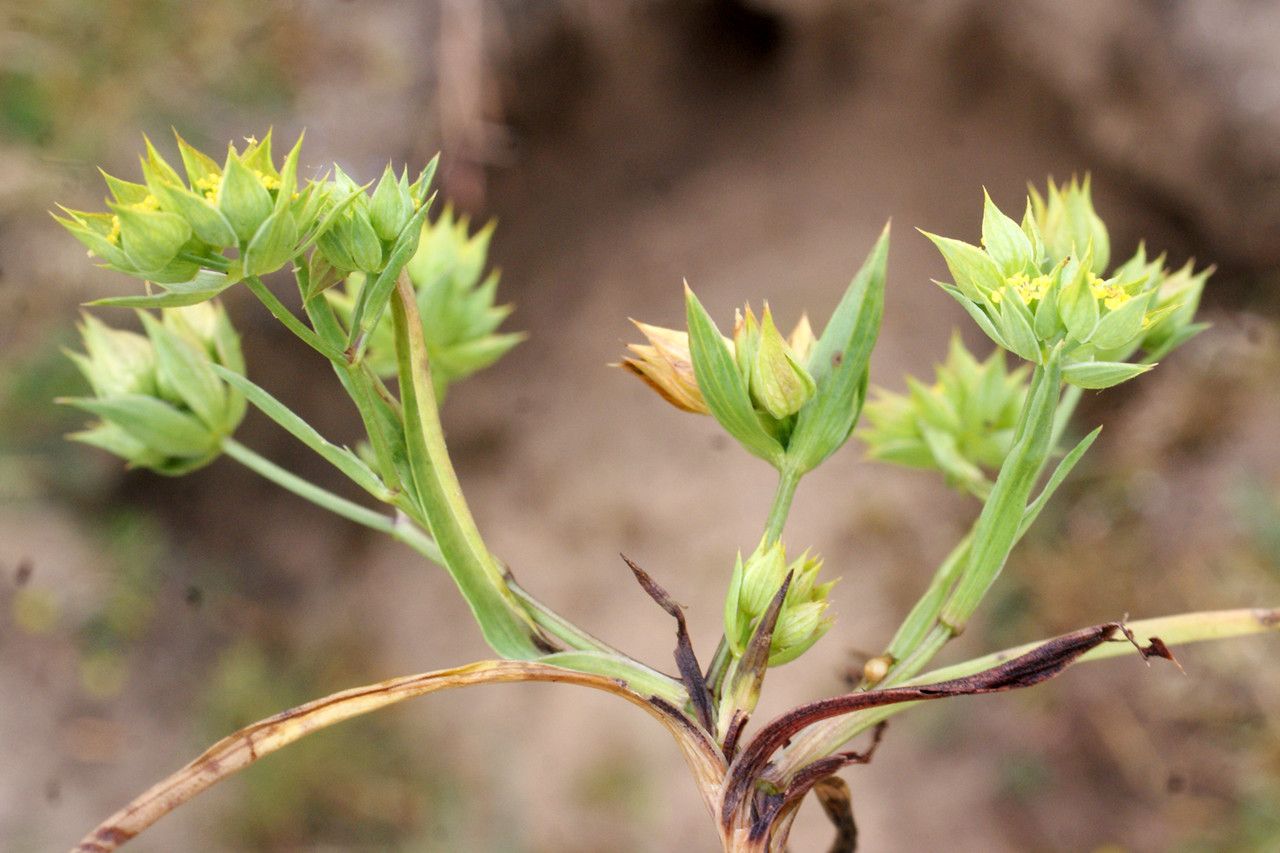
[(200, 230), (772, 367), (456, 300), (803, 618), (962, 424), (1044, 285), (159, 401)]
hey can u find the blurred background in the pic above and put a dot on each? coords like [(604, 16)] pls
[(755, 147)]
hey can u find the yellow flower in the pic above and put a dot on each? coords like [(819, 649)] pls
[(1111, 295), (667, 367)]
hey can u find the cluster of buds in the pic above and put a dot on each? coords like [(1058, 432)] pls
[(160, 402), (168, 228), (772, 367), (366, 231), (803, 618), (1041, 288), (790, 401), (962, 425), (456, 300)]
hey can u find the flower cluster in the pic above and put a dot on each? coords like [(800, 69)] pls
[(197, 233), (160, 402), (962, 425), (772, 367), (169, 227), (1041, 287), (803, 618), (456, 300)]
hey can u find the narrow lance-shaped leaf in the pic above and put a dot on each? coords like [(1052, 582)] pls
[(339, 457), (372, 300), (722, 385), (839, 363)]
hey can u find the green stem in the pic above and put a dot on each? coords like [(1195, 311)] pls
[(290, 322), (359, 387), (401, 530), (788, 480), (505, 623)]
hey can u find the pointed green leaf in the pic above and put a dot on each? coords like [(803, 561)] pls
[(186, 373), (1004, 240), (1096, 375), (155, 423), (839, 364), (722, 384), (974, 272), (339, 457)]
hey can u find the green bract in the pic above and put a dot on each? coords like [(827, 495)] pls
[(160, 402), (1041, 285), (456, 301), (802, 620), (961, 425)]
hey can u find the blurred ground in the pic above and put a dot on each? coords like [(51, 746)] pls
[(755, 149)]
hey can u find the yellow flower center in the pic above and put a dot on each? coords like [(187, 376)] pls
[(209, 184), (1028, 289), (113, 236), (270, 182), (1111, 295)]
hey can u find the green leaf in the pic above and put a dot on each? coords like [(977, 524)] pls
[(206, 221), (1059, 474), (198, 165), (839, 365), (996, 531), (372, 300), (722, 385), (1122, 325), (1015, 327), (1077, 305), (339, 457), (243, 200), (973, 270), (151, 238), (1004, 240), (206, 285), (155, 423), (978, 314), (1096, 375), (186, 373), (273, 245)]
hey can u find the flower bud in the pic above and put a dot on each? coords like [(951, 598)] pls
[(802, 619), (779, 382), (160, 403), (350, 243), (1068, 224), (391, 206)]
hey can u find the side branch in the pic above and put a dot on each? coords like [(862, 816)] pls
[(246, 746)]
